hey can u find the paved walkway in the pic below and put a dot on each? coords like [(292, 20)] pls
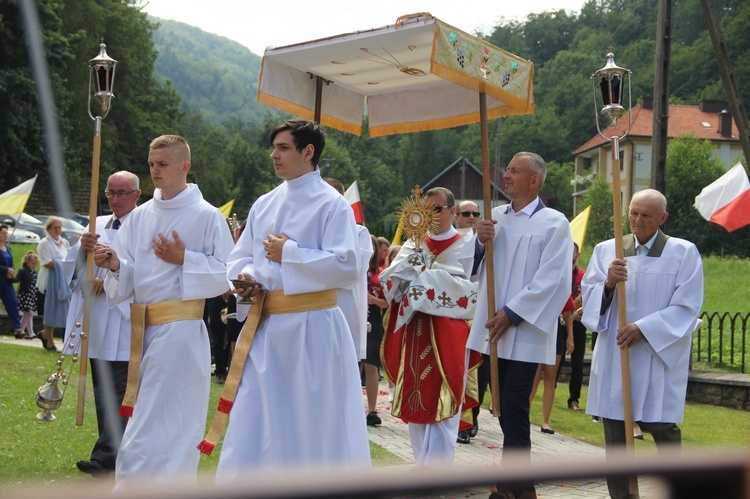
[(486, 449)]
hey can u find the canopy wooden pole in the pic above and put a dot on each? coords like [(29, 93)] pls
[(488, 250), (318, 98), (622, 311), (87, 295)]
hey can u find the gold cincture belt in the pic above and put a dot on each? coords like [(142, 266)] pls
[(144, 315), (265, 303)]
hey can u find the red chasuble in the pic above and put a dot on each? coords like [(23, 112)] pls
[(426, 359)]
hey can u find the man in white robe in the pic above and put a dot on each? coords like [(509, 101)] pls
[(169, 256), (533, 251), (109, 329), (353, 299), (664, 292), (424, 347), (299, 400)]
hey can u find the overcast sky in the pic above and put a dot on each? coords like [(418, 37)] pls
[(258, 24)]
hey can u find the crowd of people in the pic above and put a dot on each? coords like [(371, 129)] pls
[(46, 292), (300, 308)]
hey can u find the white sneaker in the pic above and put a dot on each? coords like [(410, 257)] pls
[(390, 394)]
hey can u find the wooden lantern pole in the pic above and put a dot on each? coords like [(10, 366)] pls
[(88, 296), (622, 311)]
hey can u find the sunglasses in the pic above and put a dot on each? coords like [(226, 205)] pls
[(468, 214), (438, 209)]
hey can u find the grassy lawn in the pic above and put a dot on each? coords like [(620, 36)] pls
[(44, 453), (704, 425)]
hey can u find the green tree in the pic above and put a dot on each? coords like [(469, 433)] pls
[(599, 197), (22, 148), (558, 185)]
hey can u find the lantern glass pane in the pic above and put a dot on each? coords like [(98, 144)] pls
[(102, 79)]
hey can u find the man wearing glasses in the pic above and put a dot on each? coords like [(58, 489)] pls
[(109, 341), (424, 347), (467, 215)]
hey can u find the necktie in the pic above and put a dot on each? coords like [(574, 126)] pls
[(116, 224)]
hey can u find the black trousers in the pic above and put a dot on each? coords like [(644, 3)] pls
[(516, 382), (483, 379), (110, 378), (665, 435), (576, 361)]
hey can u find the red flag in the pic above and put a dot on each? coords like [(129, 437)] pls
[(352, 197), (727, 200)]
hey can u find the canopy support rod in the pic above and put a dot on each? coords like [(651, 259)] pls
[(488, 249)]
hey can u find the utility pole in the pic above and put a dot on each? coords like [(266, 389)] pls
[(661, 97), (727, 75)]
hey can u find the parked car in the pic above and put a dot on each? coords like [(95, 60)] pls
[(80, 218), (71, 230), (22, 236), (26, 222)]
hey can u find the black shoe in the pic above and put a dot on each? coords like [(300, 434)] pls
[(463, 437), (596, 419), (548, 431), (373, 419), (473, 431), (52, 348), (93, 468), (41, 338)]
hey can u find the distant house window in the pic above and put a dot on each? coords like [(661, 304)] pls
[(706, 124)]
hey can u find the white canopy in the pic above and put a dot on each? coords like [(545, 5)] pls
[(418, 74)]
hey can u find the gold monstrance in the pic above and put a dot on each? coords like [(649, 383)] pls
[(418, 217)]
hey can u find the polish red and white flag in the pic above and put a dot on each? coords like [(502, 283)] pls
[(727, 200), (352, 197)]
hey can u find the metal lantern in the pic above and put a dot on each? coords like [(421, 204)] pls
[(610, 82), (102, 79)]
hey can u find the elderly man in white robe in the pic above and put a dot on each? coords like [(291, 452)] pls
[(664, 291), (169, 256), (299, 399), (109, 331), (533, 251)]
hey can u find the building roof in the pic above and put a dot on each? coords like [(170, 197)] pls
[(450, 178), (682, 120)]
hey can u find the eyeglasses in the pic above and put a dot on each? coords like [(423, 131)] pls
[(468, 214), (111, 194), (438, 209)]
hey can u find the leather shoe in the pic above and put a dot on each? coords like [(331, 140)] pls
[(373, 419), (93, 468), (463, 437), (473, 431), (548, 431), (573, 405)]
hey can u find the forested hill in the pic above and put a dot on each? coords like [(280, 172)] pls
[(216, 77)]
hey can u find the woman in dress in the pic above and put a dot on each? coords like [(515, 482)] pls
[(27, 292), (52, 250), (7, 276), (376, 302)]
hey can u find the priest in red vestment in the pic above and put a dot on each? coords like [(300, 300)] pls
[(424, 346)]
